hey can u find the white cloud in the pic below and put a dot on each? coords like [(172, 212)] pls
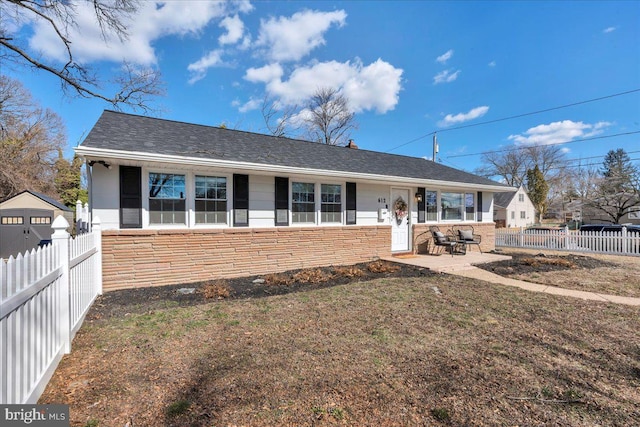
[(492, 64), (199, 68), (372, 87), (252, 104), (445, 76), (445, 56), (264, 74), (559, 132), (474, 113), (152, 21), (290, 39), (235, 30), (609, 30)]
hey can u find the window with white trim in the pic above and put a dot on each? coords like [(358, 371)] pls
[(431, 205), (523, 215), (513, 214), (469, 207), (211, 199), (452, 206), (521, 197), (330, 203), (166, 198), (303, 202)]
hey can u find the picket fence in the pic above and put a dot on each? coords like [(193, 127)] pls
[(605, 242), (44, 296)]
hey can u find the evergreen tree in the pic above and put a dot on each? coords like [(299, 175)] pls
[(538, 190), (68, 180)]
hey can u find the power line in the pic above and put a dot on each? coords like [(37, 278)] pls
[(524, 147), (514, 117)]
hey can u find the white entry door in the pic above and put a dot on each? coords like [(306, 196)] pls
[(399, 211)]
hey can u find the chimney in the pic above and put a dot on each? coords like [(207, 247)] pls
[(352, 144)]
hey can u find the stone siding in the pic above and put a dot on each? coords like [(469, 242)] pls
[(140, 258)]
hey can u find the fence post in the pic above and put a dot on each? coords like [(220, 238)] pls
[(60, 239), (85, 218), (625, 244), (97, 233), (78, 217)]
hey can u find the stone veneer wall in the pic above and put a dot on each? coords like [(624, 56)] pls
[(486, 230), (140, 258)]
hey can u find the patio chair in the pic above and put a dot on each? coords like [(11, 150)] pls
[(466, 235), (441, 240)]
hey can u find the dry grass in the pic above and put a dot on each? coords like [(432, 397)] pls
[(549, 261), (217, 289), (621, 277), (389, 352)]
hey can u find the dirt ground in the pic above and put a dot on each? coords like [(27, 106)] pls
[(406, 348), (605, 274)]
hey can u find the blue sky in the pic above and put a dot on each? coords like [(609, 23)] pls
[(409, 69)]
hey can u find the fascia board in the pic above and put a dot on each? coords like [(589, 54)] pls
[(104, 153)]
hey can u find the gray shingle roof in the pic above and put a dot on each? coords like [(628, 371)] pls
[(127, 132), (503, 199)]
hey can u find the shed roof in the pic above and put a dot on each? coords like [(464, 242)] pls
[(133, 133), (46, 199)]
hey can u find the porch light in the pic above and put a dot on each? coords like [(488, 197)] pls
[(419, 197)]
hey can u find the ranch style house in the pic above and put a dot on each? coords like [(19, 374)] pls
[(181, 202)]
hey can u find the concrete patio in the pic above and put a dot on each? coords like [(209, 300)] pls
[(445, 263)]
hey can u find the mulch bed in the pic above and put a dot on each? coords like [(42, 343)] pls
[(522, 263), (141, 300)]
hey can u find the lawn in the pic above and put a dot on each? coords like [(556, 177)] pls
[(430, 350)]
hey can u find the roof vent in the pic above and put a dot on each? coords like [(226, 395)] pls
[(352, 144)]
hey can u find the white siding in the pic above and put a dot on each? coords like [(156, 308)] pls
[(105, 197), (261, 201), (370, 198)]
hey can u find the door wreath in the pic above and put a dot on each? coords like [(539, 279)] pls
[(400, 209)]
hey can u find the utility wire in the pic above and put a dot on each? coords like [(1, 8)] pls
[(513, 117), (524, 147)]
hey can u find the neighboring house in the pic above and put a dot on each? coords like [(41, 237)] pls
[(513, 209), (25, 221), (180, 202), (594, 216)]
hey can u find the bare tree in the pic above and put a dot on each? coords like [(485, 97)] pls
[(510, 165), (135, 86), (328, 118), (30, 139), (278, 118), (618, 188)]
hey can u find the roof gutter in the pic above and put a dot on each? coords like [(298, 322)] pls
[(104, 153)]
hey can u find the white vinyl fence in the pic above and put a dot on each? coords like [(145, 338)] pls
[(605, 242), (44, 296)]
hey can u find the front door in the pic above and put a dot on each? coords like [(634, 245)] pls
[(399, 211)]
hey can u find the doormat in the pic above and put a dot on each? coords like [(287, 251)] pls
[(405, 256)]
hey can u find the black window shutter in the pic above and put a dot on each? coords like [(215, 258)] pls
[(282, 201), (240, 200), (479, 209), (351, 203), (422, 205), (130, 197)]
